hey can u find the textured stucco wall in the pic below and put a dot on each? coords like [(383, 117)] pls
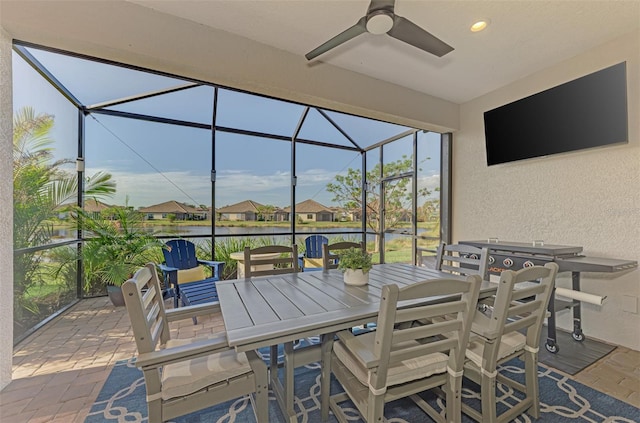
[(589, 198), (6, 217)]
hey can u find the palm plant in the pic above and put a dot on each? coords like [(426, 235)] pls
[(116, 246), (41, 186)]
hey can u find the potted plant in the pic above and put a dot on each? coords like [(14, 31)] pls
[(116, 245), (355, 263)]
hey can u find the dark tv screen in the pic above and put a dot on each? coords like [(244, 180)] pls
[(587, 112)]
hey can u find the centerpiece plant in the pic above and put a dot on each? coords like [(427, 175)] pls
[(355, 263)]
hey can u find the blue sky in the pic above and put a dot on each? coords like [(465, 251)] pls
[(154, 162)]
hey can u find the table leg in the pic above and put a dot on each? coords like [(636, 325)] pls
[(284, 391)]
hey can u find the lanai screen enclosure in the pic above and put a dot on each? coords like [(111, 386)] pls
[(221, 167)]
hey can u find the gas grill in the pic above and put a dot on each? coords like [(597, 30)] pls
[(506, 255)]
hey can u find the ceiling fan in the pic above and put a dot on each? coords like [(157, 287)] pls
[(380, 19)]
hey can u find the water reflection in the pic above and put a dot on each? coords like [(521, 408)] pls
[(187, 231)]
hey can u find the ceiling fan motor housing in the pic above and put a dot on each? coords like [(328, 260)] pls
[(379, 22)]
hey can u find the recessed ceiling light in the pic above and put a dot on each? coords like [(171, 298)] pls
[(479, 25)]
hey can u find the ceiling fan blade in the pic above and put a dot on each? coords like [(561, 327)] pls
[(344, 36), (405, 30)]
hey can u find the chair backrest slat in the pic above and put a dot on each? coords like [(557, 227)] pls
[(519, 309), (439, 346), (530, 291), (330, 252), (285, 262), (149, 296), (519, 324), (426, 331), (426, 312), (462, 259)]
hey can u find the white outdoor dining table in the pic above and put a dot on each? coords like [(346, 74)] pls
[(271, 310)]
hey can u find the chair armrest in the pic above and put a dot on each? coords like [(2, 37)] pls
[(358, 349), (196, 349), (169, 273), (188, 312), (216, 266), (479, 326), (164, 268)]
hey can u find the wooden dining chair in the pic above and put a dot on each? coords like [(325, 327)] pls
[(462, 259), (282, 260), (511, 328), (186, 375), (330, 255), (399, 359)]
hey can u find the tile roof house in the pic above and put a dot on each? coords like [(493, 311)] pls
[(180, 210), (91, 206), (312, 211), (244, 210)]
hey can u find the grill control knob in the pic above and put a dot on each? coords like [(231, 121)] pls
[(528, 264), (491, 260), (507, 262)]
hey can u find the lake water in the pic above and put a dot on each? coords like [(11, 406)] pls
[(260, 230), (187, 231)]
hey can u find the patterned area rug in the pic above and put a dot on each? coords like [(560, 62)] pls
[(122, 399)]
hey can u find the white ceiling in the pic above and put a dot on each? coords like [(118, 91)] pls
[(523, 37)]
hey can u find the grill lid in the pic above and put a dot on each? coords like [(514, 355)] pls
[(526, 247)]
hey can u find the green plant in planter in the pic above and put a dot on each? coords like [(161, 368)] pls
[(116, 245), (355, 258)]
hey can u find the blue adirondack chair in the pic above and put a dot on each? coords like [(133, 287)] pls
[(183, 272), (313, 246)]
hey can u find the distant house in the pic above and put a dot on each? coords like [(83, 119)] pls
[(244, 210), (344, 215), (91, 206), (280, 215), (94, 207), (180, 210), (312, 211)]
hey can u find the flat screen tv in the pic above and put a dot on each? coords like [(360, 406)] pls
[(587, 112)]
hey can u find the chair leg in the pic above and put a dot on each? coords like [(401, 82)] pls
[(453, 392), (155, 410), (325, 377), (488, 398), (531, 382), (289, 386), (375, 409), (261, 397)]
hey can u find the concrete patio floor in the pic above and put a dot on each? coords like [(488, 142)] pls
[(59, 370)]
